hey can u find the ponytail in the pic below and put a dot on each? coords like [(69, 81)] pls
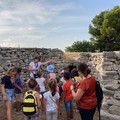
[(52, 85)]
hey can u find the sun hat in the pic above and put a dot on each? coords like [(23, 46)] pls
[(50, 68)]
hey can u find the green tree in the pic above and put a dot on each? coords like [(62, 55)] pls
[(81, 46), (105, 30)]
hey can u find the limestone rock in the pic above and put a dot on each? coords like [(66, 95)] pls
[(117, 95), (115, 110), (107, 116), (112, 86)]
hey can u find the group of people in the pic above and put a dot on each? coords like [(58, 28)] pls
[(77, 84)]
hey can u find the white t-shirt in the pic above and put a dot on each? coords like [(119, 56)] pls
[(62, 80), (41, 84), (34, 65), (51, 101)]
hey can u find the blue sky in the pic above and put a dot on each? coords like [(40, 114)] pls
[(48, 23)]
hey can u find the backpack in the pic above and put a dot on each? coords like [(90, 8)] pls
[(99, 95), (29, 106)]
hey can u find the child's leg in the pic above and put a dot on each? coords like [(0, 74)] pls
[(71, 109), (48, 115), (36, 116), (67, 107), (18, 101), (55, 115)]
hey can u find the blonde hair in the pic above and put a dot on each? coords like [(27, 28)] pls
[(9, 71)]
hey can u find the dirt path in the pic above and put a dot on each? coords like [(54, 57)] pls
[(19, 116)]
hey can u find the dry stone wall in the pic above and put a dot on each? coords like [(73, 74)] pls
[(23, 56), (105, 67), (108, 66)]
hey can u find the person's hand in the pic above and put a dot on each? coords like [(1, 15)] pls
[(22, 91), (71, 87), (5, 97)]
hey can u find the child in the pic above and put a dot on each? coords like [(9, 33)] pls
[(75, 77), (51, 101), (32, 84), (68, 95), (51, 75), (41, 82), (18, 89)]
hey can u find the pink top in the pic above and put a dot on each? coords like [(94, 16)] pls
[(52, 75)]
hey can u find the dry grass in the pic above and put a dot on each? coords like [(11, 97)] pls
[(71, 55)]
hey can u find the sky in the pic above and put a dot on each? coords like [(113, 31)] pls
[(48, 23)]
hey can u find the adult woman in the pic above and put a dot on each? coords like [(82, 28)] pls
[(85, 94), (7, 87), (34, 66)]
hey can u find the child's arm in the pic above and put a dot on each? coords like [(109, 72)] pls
[(58, 104), (16, 85), (44, 105), (38, 100)]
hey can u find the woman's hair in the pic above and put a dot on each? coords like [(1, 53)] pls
[(83, 68), (37, 57), (32, 84), (52, 85), (74, 73), (9, 71), (39, 74)]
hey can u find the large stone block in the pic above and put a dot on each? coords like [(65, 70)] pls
[(110, 55), (107, 116), (108, 92), (112, 86), (110, 77), (117, 95), (115, 110)]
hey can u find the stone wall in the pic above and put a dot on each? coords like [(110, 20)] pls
[(108, 66), (105, 67), (23, 56)]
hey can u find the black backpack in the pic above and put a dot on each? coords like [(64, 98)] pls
[(99, 94)]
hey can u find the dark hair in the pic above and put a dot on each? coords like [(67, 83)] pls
[(74, 73), (67, 75), (32, 83), (17, 69), (37, 57), (52, 85), (83, 68), (39, 74)]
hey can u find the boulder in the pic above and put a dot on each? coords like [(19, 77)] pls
[(115, 110)]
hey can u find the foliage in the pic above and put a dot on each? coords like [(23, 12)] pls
[(105, 30), (81, 46)]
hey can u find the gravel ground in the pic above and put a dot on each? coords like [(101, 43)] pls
[(19, 116)]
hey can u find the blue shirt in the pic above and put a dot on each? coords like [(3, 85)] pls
[(18, 81)]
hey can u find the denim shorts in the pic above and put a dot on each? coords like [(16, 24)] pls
[(9, 94), (68, 105)]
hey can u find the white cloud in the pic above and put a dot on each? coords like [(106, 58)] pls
[(21, 21), (22, 41)]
